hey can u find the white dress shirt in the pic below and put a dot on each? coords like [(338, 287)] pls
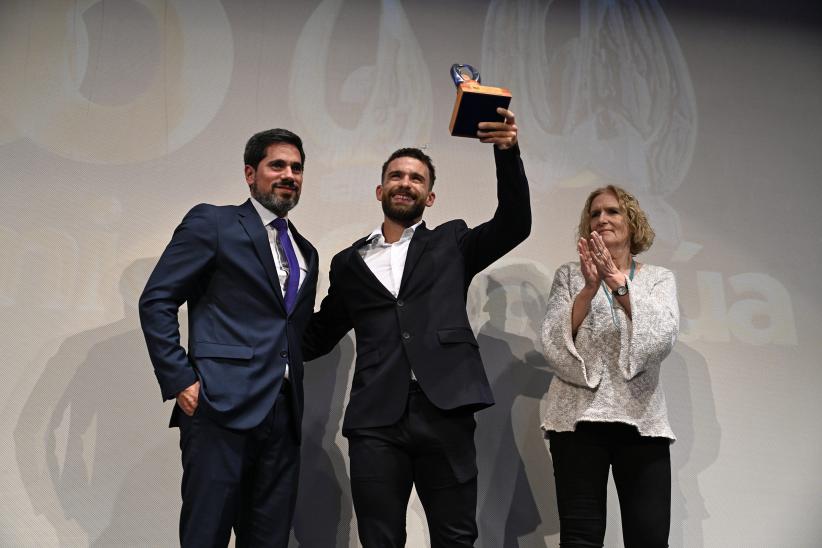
[(267, 216), (387, 261)]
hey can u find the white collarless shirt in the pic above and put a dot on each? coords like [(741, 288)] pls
[(387, 261)]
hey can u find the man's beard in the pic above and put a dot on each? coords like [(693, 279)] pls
[(402, 214), (275, 204)]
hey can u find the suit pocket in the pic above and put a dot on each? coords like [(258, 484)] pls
[(217, 350), (457, 335), (224, 373)]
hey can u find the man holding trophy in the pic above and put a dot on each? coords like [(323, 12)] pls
[(419, 377)]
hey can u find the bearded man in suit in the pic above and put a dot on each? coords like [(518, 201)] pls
[(249, 279), (418, 377)]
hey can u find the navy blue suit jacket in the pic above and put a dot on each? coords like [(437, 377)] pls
[(219, 261)]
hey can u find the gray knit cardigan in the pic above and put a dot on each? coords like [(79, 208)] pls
[(610, 372)]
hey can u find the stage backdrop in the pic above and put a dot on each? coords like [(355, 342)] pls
[(117, 116)]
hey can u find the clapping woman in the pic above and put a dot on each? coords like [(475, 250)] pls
[(610, 323)]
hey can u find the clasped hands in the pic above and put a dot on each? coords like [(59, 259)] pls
[(597, 265)]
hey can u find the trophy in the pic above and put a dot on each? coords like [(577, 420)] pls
[(475, 103)]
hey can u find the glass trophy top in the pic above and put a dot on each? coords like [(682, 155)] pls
[(464, 73)]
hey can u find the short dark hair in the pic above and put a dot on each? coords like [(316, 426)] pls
[(411, 153), (256, 146)]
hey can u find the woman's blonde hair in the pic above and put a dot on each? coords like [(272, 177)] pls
[(641, 235)]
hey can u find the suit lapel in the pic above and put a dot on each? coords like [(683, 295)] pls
[(309, 254), (415, 250), (357, 264), (259, 237)]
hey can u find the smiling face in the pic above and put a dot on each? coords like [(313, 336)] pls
[(405, 191), (628, 219), (276, 182), (609, 221)]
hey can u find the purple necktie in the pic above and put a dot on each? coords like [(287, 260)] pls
[(292, 282)]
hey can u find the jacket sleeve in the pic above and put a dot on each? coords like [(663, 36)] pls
[(330, 323), (511, 223), (558, 344), (183, 265), (650, 334)]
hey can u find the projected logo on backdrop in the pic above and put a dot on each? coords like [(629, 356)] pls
[(396, 109), (613, 102), (112, 82), (757, 309)]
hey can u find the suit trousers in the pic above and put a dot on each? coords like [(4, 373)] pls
[(429, 448), (240, 479), (641, 467)]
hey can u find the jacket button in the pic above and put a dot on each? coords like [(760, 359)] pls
[(406, 335), (400, 303), (283, 354)]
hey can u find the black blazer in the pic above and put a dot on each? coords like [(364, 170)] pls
[(219, 261), (426, 328)]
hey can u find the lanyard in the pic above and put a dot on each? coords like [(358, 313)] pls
[(608, 291)]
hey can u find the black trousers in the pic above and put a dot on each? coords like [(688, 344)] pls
[(641, 467), (240, 479), (429, 448)]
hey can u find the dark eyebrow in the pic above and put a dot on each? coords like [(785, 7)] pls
[(411, 174), (281, 162)]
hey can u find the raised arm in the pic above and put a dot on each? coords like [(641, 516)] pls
[(511, 222), (558, 342), (582, 301), (651, 331)]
